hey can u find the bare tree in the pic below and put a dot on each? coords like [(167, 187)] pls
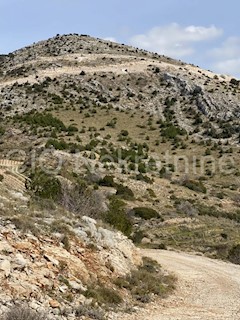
[(82, 200)]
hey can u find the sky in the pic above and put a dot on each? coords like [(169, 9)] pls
[(203, 32)]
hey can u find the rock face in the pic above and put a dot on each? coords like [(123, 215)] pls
[(42, 271), (115, 249)]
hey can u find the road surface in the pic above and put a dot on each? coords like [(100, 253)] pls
[(207, 289)]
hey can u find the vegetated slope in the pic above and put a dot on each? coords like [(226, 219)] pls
[(166, 129), (166, 132)]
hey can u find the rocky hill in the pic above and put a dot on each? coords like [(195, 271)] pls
[(98, 140), (141, 79)]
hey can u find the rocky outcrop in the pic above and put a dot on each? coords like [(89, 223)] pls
[(43, 272)]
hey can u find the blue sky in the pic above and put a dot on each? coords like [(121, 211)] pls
[(206, 32)]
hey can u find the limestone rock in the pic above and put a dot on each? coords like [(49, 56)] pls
[(54, 304), (5, 267), (146, 240), (6, 247), (76, 285), (19, 262), (51, 259)]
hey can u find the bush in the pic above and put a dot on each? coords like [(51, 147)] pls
[(194, 185), (204, 210), (90, 312), (72, 129), (2, 131), (124, 133), (147, 280), (23, 313), (58, 145), (44, 186), (42, 120), (138, 236), (234, 82), (117, 217), (104, 295), (145, 213), (142, 167), (171, 131), (234, 254), (145, 178), (107, 181), (124, 192)]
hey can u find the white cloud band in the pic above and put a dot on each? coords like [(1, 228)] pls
[(174, 40)]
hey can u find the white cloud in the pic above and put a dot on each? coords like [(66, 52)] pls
[(112, 39), (231, 67), (174, 40), (227, 57), (229, 49)]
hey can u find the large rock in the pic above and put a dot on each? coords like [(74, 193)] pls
[(118, 251)]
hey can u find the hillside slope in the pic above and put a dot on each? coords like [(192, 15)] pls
[(137, 142)]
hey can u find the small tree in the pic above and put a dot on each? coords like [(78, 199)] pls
[(44, 185)]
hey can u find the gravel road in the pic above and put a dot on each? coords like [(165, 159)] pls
[(206, 289)]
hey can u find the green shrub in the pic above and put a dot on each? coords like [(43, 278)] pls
[(44, 185), (42, 120), (72, 129), (145, 178), (56, 99), (234, 82), (234, 254), (57, 144), (147, 280), (142, 167), (2, 131), (145, 213), (104, 295), (116, 216), (194, 185), (107, 181), (152, 194), (124, 133), (171, 131), (124, 192), (138, 236), (90, 312)]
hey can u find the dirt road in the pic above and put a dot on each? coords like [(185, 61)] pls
[(207, 289)]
